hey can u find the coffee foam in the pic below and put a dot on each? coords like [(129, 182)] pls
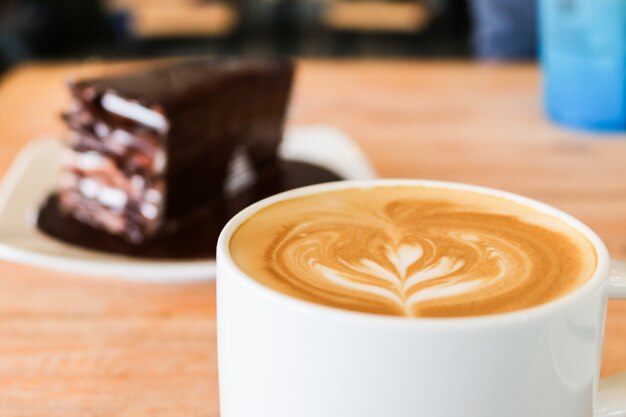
[(413, 251)]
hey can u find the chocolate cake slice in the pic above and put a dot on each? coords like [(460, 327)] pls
[(153, 149)]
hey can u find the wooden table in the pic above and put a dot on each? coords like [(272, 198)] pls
[(78, 346)]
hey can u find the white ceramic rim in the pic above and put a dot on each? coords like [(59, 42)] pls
[(599, 278)]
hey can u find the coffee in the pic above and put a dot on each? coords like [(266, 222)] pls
[(413, 251)]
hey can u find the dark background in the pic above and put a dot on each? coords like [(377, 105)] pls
[(78, 29)]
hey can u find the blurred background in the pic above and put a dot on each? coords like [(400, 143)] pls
[(70, 29)]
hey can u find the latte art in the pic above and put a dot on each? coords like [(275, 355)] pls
[(413, 251)]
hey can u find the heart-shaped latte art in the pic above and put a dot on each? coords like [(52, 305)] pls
[(416, 257)]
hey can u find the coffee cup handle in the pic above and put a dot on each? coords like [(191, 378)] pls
[(611, 399)]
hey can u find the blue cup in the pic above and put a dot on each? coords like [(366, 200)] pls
[(583, 57)]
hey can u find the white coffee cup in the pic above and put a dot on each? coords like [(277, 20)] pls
[(283, 357)]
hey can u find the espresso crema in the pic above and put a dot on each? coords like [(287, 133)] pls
[(413, 251)]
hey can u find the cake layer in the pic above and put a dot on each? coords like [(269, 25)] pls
[(122, 148), (120, 207), (98, 166)]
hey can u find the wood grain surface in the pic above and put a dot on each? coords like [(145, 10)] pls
[(78, 346)]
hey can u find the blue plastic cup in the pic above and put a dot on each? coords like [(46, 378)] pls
[(583, 57)]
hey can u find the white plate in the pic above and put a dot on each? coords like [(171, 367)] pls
[(33, 176)]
